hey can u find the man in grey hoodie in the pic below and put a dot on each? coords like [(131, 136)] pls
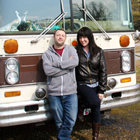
[(59, 63)]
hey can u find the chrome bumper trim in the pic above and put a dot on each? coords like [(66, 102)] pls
[(15, 114), (129, 95)]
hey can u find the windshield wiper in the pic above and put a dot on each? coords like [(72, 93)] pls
[(49, 27), (107, 37)]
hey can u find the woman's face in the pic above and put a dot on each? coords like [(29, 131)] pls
[(84, 41)]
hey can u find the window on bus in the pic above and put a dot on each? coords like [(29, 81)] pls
[(31, 16), (112, 15)]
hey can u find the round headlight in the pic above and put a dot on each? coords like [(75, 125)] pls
[(126, 57), (126, 61), (40, 93), (126, 66), (11, 64), (12, 78), (111, 83)]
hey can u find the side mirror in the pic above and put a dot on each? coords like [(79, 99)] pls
[(136, 36)]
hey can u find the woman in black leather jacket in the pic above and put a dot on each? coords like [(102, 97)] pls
[(91, 76)]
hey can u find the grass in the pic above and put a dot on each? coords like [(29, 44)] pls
[(138, 70), (137, 48)]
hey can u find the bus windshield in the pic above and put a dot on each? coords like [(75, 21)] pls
[(33, 16), (24, 16)]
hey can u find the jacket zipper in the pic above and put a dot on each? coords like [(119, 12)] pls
[(88, 68), (62, 77), (62, 80), (89, 72)]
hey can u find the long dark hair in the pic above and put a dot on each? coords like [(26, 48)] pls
[(93, 48)]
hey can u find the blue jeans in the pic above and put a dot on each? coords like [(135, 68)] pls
[(64, 109)]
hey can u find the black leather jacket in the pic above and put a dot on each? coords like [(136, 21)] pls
[(93, 70)]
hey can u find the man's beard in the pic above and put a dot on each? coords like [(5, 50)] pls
[(59, 44)]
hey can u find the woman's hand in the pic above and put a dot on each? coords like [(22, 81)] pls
[(100, 96)]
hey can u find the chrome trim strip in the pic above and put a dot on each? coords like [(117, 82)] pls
[(129, 95), (22, 104), (130, 88), (109, 50), (51, 34), (15, 114), (27, 84), (19, 55), (118, 74)]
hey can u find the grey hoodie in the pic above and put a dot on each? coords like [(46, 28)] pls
[(60, 71)]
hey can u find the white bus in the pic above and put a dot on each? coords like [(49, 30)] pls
[(26, 31)]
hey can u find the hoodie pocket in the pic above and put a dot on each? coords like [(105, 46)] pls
[(54, 83), (69, 81)]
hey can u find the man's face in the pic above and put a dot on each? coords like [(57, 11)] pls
[(59, 38)]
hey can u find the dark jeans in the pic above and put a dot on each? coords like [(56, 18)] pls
[(91, 100)]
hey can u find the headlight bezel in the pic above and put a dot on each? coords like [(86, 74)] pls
[(40, 93), (10, 61), (125, 61), (12, 82), (11, 71), (111, 83)]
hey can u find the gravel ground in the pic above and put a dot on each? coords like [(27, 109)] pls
[(120, 124)]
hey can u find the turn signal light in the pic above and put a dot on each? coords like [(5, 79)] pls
[(11, 46), (126, 80), (12, 93), (74, 43), (124, 40)]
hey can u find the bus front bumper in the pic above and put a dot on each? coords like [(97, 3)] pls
[(115, 98), (24, 113)]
